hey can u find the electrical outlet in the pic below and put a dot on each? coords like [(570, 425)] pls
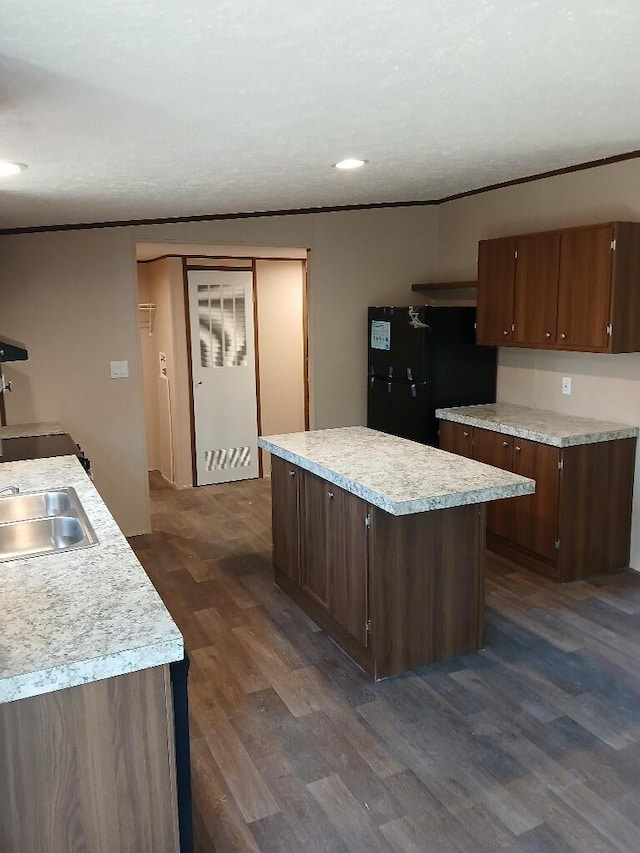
[(566, 385)]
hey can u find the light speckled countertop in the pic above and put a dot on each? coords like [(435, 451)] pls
[(30, 430), (77, 616), (539, 425), (394, 474)]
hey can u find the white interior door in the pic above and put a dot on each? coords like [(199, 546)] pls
[(224, 375)]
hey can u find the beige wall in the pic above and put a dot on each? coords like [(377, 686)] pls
[(72, 298), (149, 370), (279, 293), (604, 386)]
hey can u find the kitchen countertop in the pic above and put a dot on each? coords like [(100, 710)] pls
[(399, 476), (538, 425), (28, 430), (37, 447), (77, 616)]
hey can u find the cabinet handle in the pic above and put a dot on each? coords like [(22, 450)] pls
[(505, 444), (547, 334), (563, 336), (465, 434), (505, 332), (330, 495), (517, 449), (292, 473)]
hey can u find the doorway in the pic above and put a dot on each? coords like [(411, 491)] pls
[(202, 416)]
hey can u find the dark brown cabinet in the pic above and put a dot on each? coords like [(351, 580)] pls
[(285, 481), (575, 289), (495, 449), (578, 521), (496, 271), (584, 288), (396, 592), (334, 552), (536, 289), (456, 438), (535, 517)]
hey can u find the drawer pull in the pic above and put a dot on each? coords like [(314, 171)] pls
[(547, 334), (517, 449), (563, 336), (466, 434), (505, 332), (505, 444), (292, 473), (330, 495)]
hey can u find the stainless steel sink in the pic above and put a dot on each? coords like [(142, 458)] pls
[(22, 507), (43, 522)]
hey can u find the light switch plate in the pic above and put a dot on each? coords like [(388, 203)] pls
[(566, 385), (119, 369)]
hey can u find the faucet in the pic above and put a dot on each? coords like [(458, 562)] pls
[(10, 490)]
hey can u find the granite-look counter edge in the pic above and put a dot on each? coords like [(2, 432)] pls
[(73, 617), (31, 430), (399, 476), (539, 425)]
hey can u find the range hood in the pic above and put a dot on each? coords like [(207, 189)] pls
[(10, 351)]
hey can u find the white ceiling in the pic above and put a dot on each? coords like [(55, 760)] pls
[(159, 108)]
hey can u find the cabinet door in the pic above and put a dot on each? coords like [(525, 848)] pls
[(348, 566), (456, 438), (495, 449), (536, 289), (285, 479), (314, 531), (584, 288), (496, 276), (535, 517)]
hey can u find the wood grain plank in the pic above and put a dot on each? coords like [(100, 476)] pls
[(348, 815), (253, 798)]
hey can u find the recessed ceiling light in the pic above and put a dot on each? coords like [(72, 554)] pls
[(7, 168), (350, 163)]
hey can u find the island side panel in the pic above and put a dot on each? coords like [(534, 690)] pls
[(596, 497), (91, 767), (427, 586)]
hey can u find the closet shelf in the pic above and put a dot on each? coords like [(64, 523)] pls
[(147, 308)]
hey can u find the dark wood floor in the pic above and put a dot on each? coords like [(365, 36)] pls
[(531, 745)]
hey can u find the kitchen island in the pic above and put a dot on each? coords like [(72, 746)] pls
[(86, 720), (381, 541)]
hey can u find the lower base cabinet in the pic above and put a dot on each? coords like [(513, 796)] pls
[(578, 522), (396, 592), (91, 768)]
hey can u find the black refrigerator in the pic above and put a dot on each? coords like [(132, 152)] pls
[(421, 359)]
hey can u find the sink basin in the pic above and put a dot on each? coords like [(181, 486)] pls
[(34, 505), (35, 523), (42, 536)]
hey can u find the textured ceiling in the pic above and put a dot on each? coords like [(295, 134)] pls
[(161, 108)]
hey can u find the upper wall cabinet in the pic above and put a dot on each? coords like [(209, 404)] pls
[(573, 289)]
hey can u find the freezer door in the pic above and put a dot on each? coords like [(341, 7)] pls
[(402, 408), (398, 343)]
